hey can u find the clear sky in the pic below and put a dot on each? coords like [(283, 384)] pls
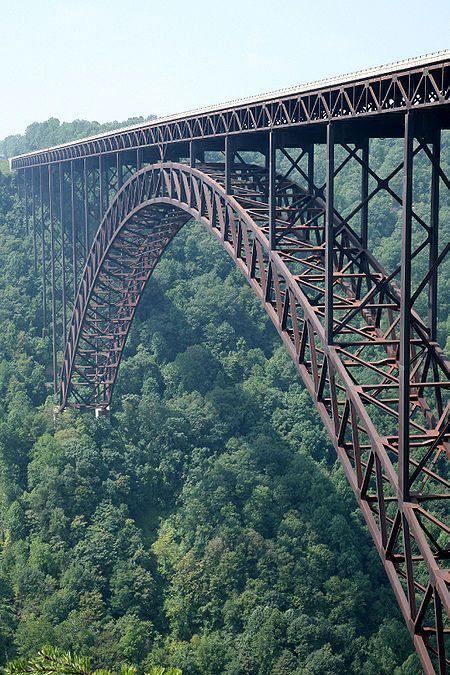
[(114, 59)]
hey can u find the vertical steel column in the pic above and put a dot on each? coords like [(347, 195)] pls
[(19, 191), (311, 168), (139, 159), (195, 154), (329, 235), (228, 164), (25, 186), (53, 277), (63, 249), (101, 190), (405, 311), (107, 181), (365, 193), (74, 231), (271, 158), (86, 208), (119, 171), (192, 154), (44, 285), (311, 186), (228, 167), (33, 198), (434, 236)]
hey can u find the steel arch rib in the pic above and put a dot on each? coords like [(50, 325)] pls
[(145, 215)]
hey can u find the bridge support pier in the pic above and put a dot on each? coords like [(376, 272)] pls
[(196, 154), (51, 204), (405, 310), (433, 258), (329, 235), (364, 224), (119, 176), (62, 234), (228, 160), (272, 161), (43, 245), (34, 207)]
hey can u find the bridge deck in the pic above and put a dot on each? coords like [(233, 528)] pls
[(420, 82)]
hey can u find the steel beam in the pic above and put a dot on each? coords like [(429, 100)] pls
[(53, 278), (365, 193), (311, 184), (74, 230), (101, 188), (405, 313), (329, 235), (25, 185), (192, 155), (119, 174), (62, 218), (34, 208), (139, 158), (228, 164), (43, 257), (271, 160), (84, 180), (19, 189), (434, 236)]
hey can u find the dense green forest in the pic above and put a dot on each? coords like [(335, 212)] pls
[(207, 525)]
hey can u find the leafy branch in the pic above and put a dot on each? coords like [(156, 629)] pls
[(54, 661)]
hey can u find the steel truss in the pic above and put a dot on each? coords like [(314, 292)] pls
[(364, 338), (392, 89)]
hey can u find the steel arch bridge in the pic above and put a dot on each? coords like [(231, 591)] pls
[(265, 176)]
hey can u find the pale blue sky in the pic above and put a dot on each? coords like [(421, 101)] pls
[(113, 59)]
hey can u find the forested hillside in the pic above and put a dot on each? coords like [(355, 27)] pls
[(207, 525)]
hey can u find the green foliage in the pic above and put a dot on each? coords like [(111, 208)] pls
[(50, 660), (53, 661)]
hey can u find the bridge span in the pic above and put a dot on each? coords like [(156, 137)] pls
[(266, 177)]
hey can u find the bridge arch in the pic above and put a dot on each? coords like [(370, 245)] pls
[(145, 215)]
